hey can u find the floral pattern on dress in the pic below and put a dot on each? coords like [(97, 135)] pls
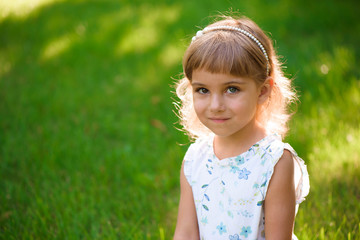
[(221, 228), (244, 174), (234, 237), (245, 231)]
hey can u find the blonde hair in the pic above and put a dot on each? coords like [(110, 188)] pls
[(231, 52)]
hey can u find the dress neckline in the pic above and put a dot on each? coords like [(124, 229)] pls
[(259, 143)]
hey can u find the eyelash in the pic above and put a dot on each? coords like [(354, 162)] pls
[(201, 89), (232, 87)]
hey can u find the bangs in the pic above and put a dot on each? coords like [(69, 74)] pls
[(218, 53)]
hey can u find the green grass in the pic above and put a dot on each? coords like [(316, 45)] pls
[(88, 145)]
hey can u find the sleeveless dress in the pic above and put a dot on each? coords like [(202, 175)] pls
[(229, 193)]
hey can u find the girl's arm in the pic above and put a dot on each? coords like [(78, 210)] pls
[(280, 200), (186, 226)]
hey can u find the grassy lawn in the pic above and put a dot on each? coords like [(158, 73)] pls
[(88, 141)]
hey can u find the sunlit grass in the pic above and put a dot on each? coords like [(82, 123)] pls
[(21, 8), (146, 34), (171, 55), (57, 46)]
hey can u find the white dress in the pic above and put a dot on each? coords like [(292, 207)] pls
[(229, 193)]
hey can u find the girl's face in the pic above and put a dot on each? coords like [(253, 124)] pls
[(224, 103)]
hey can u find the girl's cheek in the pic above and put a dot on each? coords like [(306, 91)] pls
[(199, 105)]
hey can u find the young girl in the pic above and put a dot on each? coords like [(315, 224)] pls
[(238, 179)]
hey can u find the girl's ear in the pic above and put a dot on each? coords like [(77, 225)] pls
[(265, 90)]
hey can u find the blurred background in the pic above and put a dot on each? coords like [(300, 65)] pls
[(88, 142)]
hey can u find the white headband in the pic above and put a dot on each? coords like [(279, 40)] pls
[(224, 27)]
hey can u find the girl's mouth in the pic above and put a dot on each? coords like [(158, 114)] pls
[(219, 120)]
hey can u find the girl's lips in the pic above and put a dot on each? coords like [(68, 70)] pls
[(219, 120)]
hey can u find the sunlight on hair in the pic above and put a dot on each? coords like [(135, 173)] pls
[(21, 8), (57, 46), (146, 33)]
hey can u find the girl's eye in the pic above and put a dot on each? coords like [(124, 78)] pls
[(232, 90), (202, 90)]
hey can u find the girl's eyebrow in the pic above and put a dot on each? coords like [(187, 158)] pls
[(226, 83), (235, 82), (197, 84)]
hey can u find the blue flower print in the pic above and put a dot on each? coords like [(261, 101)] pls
[(234, 169), (246, 231), (204, 220), (244, 174), (247, 214), (239, 160), (234, 237), (221, 228)]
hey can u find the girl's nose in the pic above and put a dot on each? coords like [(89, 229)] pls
[(217, 103)]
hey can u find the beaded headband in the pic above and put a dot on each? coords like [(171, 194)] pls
[(231, 28)]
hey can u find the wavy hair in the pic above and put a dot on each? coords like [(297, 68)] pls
[(231, 52)]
